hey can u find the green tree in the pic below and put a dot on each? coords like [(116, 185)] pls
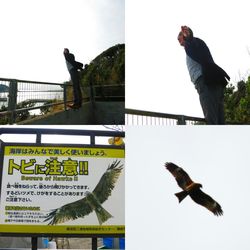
[(24, 115), (21, 116), (3, 119), (106, 69), (237, 103)]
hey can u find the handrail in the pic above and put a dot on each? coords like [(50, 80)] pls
[(16, 111), (12, 85), (29, 81), (180, 119), (52, 131)]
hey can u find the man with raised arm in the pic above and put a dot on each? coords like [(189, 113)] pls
[(209, 79), (73, 67)]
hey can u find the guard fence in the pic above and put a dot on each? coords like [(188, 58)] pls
[(140, 117), (22, 99)]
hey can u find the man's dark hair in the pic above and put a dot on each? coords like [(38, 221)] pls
[(191, 32)]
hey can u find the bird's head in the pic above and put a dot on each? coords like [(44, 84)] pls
[(196, 186)]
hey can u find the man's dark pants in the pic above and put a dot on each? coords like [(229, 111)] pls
[(74, 75), (212, 101)]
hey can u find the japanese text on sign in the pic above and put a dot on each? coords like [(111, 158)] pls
[(52, 166)]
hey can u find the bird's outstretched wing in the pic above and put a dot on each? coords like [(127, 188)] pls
[(70, 211), (107, 182), (206, 201), (180, 175), (92, 201)]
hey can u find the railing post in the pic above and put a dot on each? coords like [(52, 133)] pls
[(12, 100), (94, 243), (181, 120), (65, 96), (92, 93), (34, 243)]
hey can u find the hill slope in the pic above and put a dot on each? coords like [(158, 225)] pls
[(106, 69)]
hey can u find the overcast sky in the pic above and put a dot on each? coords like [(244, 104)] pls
[(34, 34), (63, 139), (157, 78), (217, 157)]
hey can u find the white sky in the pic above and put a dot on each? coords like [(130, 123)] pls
[(34, 34), (157, 78), (60, 139), (217, 157)]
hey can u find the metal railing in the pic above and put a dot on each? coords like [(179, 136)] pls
[(106, 92), (20, 98), (139, 117)]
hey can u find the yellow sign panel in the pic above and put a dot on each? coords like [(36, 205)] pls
[(62, 190), (32, 229), (63, 151)]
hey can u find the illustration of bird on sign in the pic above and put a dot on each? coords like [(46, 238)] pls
[(92, 200)]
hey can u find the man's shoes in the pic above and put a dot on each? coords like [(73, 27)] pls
[(74, 106)]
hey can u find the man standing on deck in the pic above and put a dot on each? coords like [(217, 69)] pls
[(73, 67), (209, 79)]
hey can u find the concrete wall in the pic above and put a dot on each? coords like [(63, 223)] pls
[(17, 242), (101, 113)]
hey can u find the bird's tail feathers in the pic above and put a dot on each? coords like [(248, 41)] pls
[(102, 215), (181, 195)]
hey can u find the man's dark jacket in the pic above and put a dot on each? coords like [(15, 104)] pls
[(199, 52), (71, 59)]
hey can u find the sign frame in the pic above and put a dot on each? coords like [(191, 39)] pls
[(29, 232)]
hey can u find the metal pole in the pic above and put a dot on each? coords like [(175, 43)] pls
[(181, 120), (92, 103), (116, 243), (92, 139), (94, 243), (12, 100), (38, 138), (34, 243), (92, 93), (65, 96)]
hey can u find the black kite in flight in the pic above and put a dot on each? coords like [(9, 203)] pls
[(192, 189)]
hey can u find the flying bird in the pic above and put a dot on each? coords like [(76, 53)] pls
[(92, 200), (192, 189)]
